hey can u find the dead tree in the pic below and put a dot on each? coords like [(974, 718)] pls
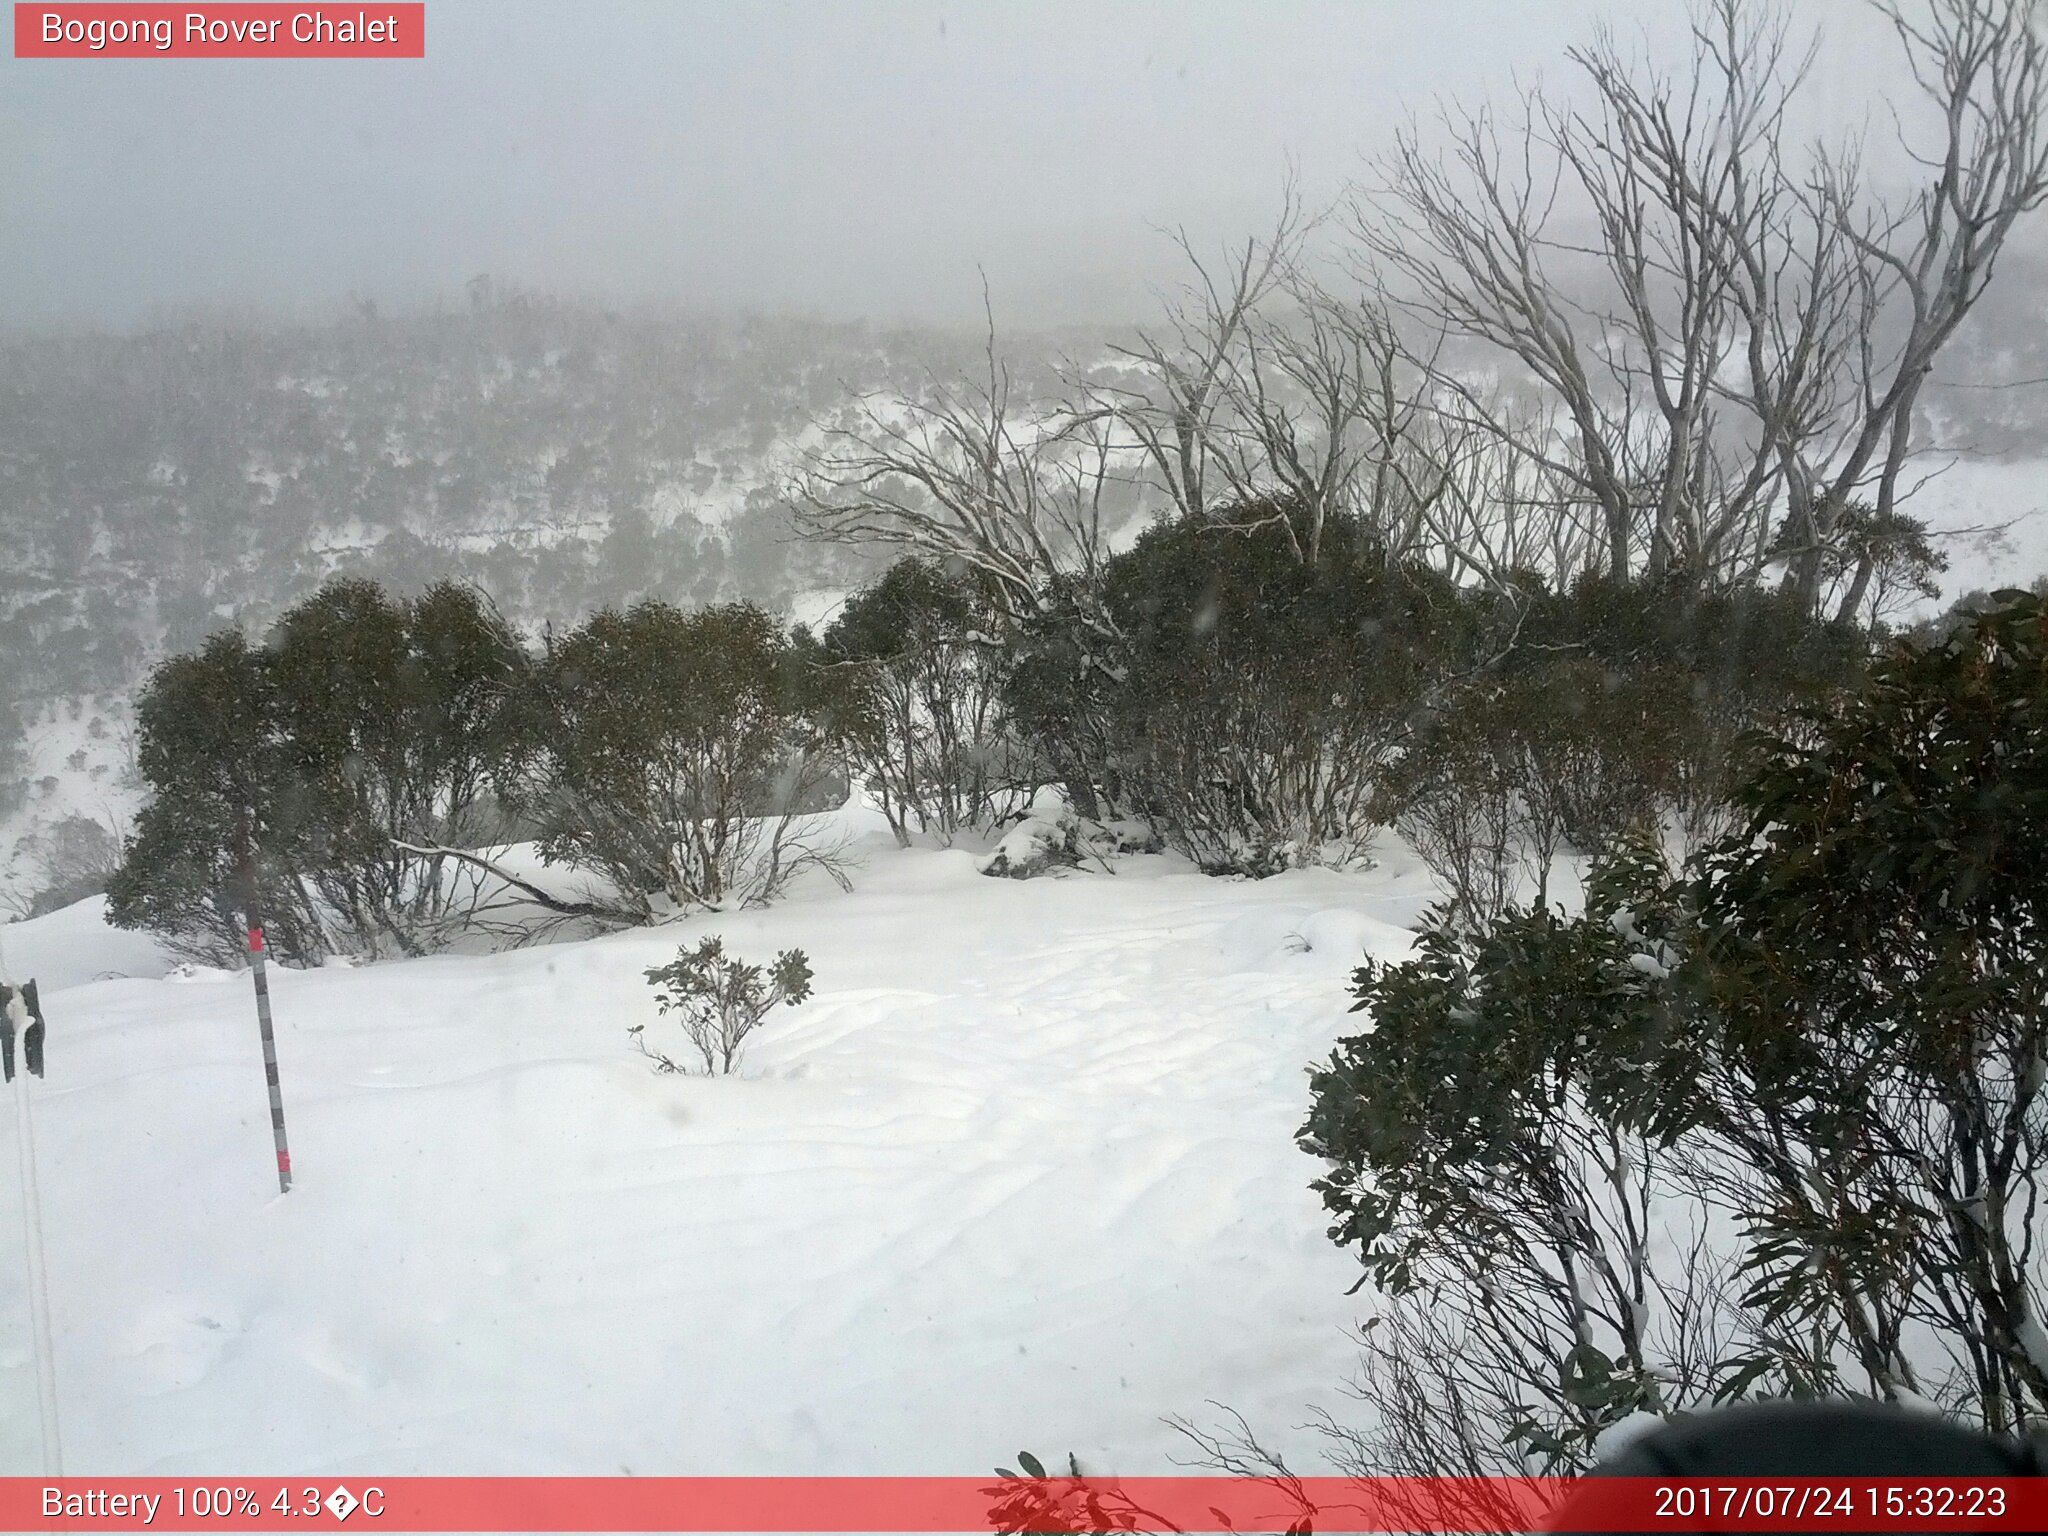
[(1730, 345), (965, 474), (1922, 262), (1168, 401)]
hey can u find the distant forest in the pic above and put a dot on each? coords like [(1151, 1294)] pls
[(156, 486)]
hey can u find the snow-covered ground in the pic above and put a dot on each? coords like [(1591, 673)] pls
[(1020, 1174), (1990, 518)]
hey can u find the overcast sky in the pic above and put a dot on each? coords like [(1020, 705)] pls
[(847, 157)]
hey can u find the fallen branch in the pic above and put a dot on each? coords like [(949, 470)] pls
[(525, 887)]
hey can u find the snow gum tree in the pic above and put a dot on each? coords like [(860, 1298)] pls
[(334, 767), (393, 713), (217, 768), (1729, 336), (674, 755), (910, 686)]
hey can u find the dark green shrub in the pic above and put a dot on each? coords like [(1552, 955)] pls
[(1687, 672), (222, 783), (393, 714), (1064, 670), (1258, 699), (1587, 716), (673, 754), (337, 764), (1825, 1045), (1871, 985)]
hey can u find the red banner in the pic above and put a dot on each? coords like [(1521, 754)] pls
[(263, 31), (922, 1504)]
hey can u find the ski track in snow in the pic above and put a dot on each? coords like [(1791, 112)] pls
[(1020, 1174)]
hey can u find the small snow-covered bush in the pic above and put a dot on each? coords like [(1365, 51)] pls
[(720, 1000), (1051, 836), (1046, 840)]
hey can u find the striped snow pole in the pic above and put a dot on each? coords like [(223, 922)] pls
[(284, 1154), (256, 969)]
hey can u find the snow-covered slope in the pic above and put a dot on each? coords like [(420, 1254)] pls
[(79, 760), (1021, 1173), (1990, 516)]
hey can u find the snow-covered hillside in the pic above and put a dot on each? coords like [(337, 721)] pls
[(78, 760), (1021, 1173)]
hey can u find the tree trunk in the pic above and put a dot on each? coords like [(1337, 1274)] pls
[(1853, 598), (1081, 796)]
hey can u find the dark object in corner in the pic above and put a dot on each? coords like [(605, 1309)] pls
[(1811, 1439), (31, 1037)]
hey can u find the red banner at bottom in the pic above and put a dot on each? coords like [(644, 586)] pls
[(921, 1504)]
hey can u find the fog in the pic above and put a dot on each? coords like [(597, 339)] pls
[(870, 158)]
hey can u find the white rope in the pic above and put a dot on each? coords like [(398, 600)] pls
[(32, 1234)]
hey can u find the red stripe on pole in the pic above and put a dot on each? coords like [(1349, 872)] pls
[(255, 940), (921, 1504), (284, 1162)]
